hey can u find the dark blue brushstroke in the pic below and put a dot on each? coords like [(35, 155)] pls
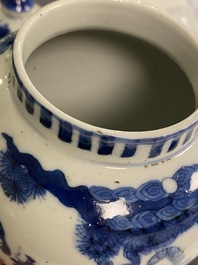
[(106, 145), (129, 150), (46, 117), (7, 42), (55, 182), (18, 261), (19, 94), (156, 149), (4, 246), (16, 258), (154, 220), (4, 30), (65, 131), (85, 140)]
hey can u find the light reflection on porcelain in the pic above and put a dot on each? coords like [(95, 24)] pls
[(111, 209), (194, 182), (73, 193)]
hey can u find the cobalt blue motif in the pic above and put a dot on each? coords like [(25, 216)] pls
[(4, 30), (18, 260), (15, 180), (3, 244), (7, 42), (15, 259), (143, 221), (18, 6), (96, 141)]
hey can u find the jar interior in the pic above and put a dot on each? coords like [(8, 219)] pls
[(111, 80)]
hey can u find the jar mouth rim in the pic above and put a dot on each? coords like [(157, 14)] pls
[(20, 71)]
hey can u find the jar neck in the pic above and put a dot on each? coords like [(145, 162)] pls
[(95, 144), (91, 142)]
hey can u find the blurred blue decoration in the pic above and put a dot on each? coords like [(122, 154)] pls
[(18, 6), (4, 30), (17, 258), (6, 41)]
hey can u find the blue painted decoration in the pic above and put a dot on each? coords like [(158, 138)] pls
[(3, 244), (145, 220), (18, 6), (4, 30), (15, 259), (159, 148), (7, 42)]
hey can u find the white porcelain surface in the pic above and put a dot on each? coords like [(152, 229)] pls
[(43, 223), (184, 10)]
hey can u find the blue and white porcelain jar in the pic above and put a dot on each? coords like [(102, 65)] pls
[(76, 193)]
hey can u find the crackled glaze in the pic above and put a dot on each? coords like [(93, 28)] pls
[(72, 193)]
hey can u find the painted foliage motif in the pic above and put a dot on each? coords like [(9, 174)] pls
[(146, 220)]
